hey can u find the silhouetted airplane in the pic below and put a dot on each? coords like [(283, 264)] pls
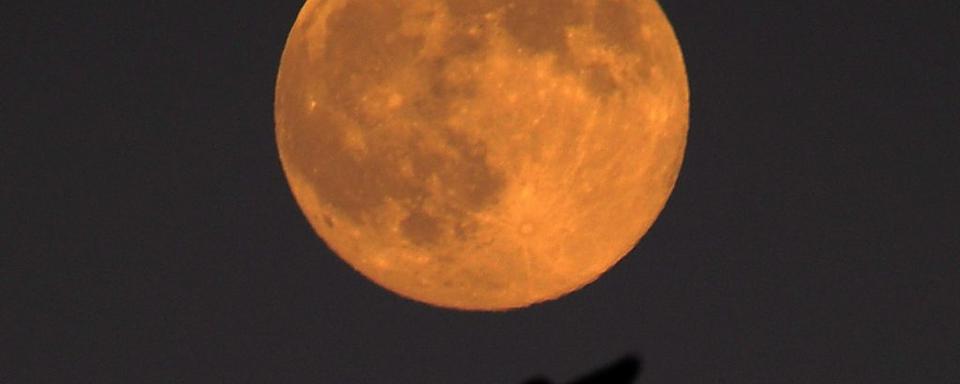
[(623, 371)]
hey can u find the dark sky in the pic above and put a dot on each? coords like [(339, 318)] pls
[(149, 234)]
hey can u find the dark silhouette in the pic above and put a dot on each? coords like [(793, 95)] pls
[(623, 371)]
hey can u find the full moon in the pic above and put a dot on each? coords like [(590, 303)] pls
[(481, 154)]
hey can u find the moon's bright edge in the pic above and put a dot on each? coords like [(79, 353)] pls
[(481, 154)]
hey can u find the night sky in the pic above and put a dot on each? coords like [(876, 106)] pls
[(149, 235)]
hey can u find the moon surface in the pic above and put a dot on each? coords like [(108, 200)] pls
[(481, 154)]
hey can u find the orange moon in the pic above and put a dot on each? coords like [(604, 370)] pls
[(481, 154)]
